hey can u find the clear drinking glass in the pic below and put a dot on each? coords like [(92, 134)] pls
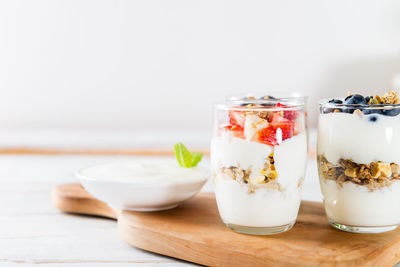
[(358, 164), (258, 156)]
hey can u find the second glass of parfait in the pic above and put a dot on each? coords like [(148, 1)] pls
[(358, 162)]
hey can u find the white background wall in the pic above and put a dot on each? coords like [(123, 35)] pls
[(149, 64)]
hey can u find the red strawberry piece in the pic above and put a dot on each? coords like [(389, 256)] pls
[(268, 136), (286, 126), (289, 114), (237, 117), (236, 130)]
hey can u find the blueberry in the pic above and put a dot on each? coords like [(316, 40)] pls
[(349, 110), (335, 101), (368, 98), (391, 112), (268, 104), (244, 104), (371, 111), (367, 111), (373, 118), (355, 100)]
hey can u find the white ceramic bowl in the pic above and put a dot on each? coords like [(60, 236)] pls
[(123, 194)]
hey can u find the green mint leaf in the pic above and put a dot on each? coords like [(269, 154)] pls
[(183, 155), (185, 158), (196, 157)]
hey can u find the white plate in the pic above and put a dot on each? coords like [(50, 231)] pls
[(119, 192)]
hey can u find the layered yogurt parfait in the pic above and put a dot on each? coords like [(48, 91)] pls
[(258, 156), (358, 162)]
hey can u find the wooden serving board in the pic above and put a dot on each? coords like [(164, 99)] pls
[(194, 232)]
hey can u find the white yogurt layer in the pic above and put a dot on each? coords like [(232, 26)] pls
[(349, 136), (354, 205), (150, 171), (229, 151), (290, 157), (263, 207)]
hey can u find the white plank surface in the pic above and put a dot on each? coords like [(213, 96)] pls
[(33, 232)]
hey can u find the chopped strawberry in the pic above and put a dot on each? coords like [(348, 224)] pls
[(286, 126), (236, 130), (237, 117), (268, 136), (289, 114)]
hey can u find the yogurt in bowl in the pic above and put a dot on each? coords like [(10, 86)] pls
[(147, 185)]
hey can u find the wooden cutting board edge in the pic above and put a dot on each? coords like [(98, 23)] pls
[(144, 238), (70, 200), (206, 256), (73, 199)]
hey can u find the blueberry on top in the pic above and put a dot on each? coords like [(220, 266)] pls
[(355, 99), (368, 98), (244, 104), (335, 101)]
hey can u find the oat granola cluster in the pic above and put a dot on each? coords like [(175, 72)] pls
[(389, 98), (268, 175), (374, 175), (237, 173)]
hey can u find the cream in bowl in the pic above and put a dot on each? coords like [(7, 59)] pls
[(147, 185)]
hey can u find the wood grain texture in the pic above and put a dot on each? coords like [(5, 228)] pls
[(73, 198), (194, 232)]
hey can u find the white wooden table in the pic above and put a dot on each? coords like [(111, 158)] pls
[(33, 232)]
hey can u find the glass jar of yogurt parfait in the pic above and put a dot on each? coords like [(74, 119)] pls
[(358, 162), (258, 158)]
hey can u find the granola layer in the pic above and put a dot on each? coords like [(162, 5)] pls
[(266, 178), (374, 175)]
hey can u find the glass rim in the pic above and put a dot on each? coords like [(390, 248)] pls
[(291, 100), (297, 107), (324, 103), (277, 95)]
